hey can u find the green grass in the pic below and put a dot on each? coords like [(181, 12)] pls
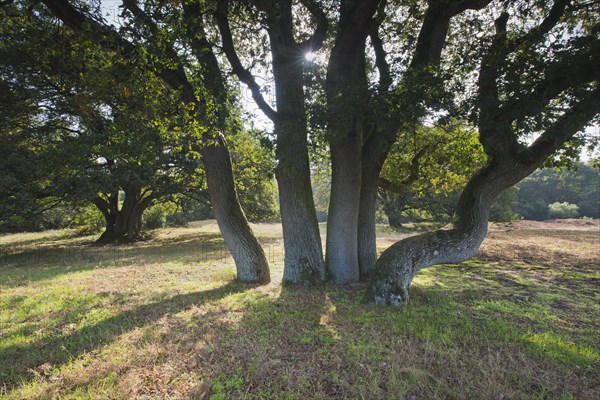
[(163, 318)]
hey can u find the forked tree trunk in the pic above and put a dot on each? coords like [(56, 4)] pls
[(392, 274), (250, 260), (347, 102), (124, 225)]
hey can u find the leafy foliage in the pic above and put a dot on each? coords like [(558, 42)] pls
[(563, 210), (580, 186), (425, 169)]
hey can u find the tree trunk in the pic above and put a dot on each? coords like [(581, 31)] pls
[(124, 225), (374, 153), (301, 236), (342, 220), (109, 210), (367, 236), (109, 235), (393, 272), (250, 260), (302, 241), (347, 102)]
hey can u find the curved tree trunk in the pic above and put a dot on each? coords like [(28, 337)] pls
[(392, 274), (302, 240), (250, 260)]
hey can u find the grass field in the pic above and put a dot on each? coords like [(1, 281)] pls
[(164, 319)]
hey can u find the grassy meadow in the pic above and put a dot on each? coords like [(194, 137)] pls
[(164, 318)]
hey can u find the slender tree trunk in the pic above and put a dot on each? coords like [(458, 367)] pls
[(250, 260), (374, 152), (301, 236), (342, 220), (392, 274)]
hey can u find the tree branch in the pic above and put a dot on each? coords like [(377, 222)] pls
[(109, 38), (203, 51), (315, 42), (385, 79), (413, 176), (561, 75), (535, 34), (177, 77), (244, 75), (432, 36), (573, 121)]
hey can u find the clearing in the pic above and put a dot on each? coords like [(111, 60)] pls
[(163, 318)]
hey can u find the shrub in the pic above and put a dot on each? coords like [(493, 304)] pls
[(502, 208), (88, 219), (563, 210), (155, 218)]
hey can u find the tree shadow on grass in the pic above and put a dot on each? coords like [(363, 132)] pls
[(273, 349), (326, 343), (18, 362), (45, 263)]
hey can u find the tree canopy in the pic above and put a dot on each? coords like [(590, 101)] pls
[(378, 86)]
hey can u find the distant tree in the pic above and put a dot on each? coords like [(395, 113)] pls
[(424, 168), (170, 41), (502, 209), (103, 130), (563, 210), (579, 185)]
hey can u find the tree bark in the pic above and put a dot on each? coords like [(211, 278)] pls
[(250, 260), (374, 152), (301, 236), (249, 256), (342, 220), (392, 274), (347, 99)]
